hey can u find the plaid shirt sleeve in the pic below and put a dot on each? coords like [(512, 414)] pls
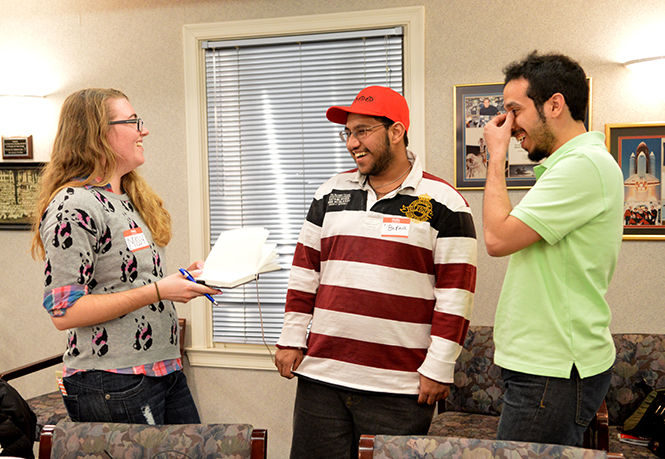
[(59, 299)]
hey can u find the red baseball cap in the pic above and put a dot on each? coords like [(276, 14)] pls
[(374, 101)]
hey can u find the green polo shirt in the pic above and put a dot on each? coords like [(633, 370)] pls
[(552, 311)]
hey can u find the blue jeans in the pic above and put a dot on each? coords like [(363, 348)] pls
[(328, 420), (550, 410), (102, 396)]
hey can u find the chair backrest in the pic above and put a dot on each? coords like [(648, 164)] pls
[(400, 446), (640, 357), (104, 440), (48, 408), (477, 387)]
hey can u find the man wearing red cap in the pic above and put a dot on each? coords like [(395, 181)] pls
[(383, 274)]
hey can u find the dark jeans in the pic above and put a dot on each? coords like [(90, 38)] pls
[(328, 420), (550, 410), (102, 396)]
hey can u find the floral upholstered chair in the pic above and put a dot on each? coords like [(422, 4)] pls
[(473, 407), (419, 447), (640, 365), (476, 397), (49, 408), (114, 440)]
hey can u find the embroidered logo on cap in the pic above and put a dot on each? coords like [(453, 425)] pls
[(364, 99)]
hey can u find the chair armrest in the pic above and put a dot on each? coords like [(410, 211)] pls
[(603, 428), (259, 443), (597, 434), (441, 406), (46, 442), (31, 367), (182, 326), (366, 447)]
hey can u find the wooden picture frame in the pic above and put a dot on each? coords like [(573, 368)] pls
[(19, 186), (639, 148)]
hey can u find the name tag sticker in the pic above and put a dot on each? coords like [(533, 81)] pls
[(395, 227), (135, 239)]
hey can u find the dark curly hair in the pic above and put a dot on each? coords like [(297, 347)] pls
[(548, 74)]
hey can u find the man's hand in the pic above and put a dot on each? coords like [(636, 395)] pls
[(287, 360), (497, 136), (504, 234), (432, 391)]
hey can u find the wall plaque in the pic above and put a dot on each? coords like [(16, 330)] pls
[(17, 147)]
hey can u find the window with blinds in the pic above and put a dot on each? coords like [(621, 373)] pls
[(270, 146)]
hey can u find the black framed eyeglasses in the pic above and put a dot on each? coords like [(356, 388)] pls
[(359, 133), (137, 121)]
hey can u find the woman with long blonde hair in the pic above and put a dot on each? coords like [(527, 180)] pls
[(101, 232)]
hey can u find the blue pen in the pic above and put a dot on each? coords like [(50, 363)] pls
[(185, 273)]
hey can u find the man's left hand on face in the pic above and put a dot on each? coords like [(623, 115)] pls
[(497, 135), (432, 391)]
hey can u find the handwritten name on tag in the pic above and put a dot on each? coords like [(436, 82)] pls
[(395, 227), (135, 239)]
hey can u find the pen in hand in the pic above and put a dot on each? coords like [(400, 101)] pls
[(185, 273)]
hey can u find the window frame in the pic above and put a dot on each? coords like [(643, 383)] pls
[(203, 351)]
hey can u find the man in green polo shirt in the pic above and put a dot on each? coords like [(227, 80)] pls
[(551, 329)]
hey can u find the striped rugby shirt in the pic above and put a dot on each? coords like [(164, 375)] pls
[(382, 307)]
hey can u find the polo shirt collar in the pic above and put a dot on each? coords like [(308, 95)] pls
[(577, 141)]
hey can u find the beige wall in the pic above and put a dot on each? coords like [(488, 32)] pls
[(136, 46)]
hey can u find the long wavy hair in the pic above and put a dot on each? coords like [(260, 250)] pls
[(82, 155)]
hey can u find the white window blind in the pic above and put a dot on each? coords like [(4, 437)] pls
[(270, 146)]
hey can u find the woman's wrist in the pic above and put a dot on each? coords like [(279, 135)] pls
[(159, 297)]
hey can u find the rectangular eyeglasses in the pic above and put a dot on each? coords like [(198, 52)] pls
[(137, 121)]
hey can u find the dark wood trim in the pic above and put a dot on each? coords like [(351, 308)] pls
[(366, 447), (259, 443), (45, 442), (31, 367)]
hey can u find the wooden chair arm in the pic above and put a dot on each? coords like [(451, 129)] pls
[(182, 326), (259, 443), (366, 447), (603, 428), (597, 434), (45, 442), (31, 367)]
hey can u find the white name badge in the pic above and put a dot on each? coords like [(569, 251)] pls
[(135, 239), (395, 227)]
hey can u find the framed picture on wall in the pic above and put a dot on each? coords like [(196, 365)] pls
[(640, 151), (475, 106), (18, 191)]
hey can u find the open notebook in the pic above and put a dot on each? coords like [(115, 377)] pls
[(238, 257)]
